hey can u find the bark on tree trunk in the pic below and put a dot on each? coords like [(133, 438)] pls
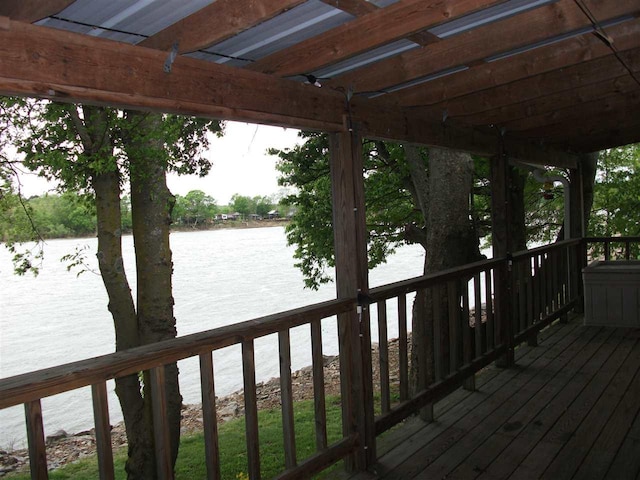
[(151, 205), (444, 197)]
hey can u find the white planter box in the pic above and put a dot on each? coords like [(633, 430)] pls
[(612, 293)]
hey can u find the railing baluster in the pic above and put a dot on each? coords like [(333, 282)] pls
[(529, 292), (35, 438), (286, 395), (436, 312), (467, 348), (403, 354), (164, 467), (209, 417), (319, 401), (383, 349), (454, 325), (478, 314), (251, 409), (491, 334), (607, 252), (103, 430)]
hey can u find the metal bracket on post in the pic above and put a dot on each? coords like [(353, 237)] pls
[(168, 63)]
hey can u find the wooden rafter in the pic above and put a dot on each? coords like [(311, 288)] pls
[(377, 28), (32, 10), (444, 91), (357, 8), (480, 43), (44, 62), (360, 8), (216, 22)]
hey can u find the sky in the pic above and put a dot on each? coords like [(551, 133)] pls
[(240, 165)]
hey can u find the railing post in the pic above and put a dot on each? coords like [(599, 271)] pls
[(35, 439)]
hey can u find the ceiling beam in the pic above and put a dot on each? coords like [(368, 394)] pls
[(542, 60), (577, 113), (538, 86), (69, 67), (611, 138), (216, 22), (466, 49), (583, 120), (549, 103), (377, 28), (32, 10)]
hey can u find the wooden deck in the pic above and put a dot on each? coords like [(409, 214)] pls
[(569, 409)]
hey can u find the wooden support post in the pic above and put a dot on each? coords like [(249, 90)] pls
[(575, 263), (502, 246), (350, 241)]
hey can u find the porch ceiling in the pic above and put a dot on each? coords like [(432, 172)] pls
[(539, 78)]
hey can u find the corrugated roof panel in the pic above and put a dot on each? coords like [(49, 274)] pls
[(140, 18), (389, 50), (287, 29)]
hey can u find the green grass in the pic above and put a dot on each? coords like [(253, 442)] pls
[(233, 458)]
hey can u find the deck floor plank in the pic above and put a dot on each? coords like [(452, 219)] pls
[(585, 397), (537, 377), (569, 409), (616, 429), (447, 431), (528, 403)]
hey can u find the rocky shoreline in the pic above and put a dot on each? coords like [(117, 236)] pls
[(63, 448)]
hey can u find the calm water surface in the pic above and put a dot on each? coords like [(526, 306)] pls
[(220, 277)]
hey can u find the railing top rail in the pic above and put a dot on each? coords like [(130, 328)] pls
[(50, 381), (612, 239), (546, 248), (412, 284)]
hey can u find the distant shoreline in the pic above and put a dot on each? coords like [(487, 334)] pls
[(232, 224)]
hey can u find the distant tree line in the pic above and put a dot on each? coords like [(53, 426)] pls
[(73, 215)]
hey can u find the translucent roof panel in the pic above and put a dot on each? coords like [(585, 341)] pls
[(389, 50), (287, 29), (123, 20), (382, 3)]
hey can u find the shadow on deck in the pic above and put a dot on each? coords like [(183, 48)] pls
[(569, 409)]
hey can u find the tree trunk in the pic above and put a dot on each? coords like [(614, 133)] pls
[(444, 193), (517, 223), (151, 205), (93, 129), (140, 462)]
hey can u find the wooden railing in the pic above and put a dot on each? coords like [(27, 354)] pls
[(478, 313), (612, 248), (474, 315), (30, 388)]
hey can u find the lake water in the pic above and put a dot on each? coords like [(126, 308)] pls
[(220, 277)]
